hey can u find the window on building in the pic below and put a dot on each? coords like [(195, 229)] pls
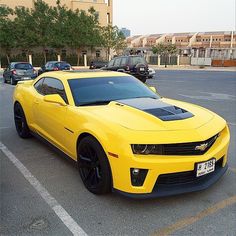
[(98, 53), (108, 18), (96, 14)]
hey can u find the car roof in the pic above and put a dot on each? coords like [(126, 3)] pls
[(66, 75), (56, 61), (18, 62)]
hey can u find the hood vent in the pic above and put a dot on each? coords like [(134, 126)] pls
[(170, 113), (157, 108)]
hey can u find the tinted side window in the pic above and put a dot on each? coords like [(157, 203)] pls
[(54, 86), (137, 60), (12, 66), (123, 61), (50, 65), (117, 62), (38, 85), (111, 63)]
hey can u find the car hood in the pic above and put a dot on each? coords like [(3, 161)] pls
[(147, 114)]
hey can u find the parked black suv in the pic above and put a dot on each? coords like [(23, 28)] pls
[(134, 64)]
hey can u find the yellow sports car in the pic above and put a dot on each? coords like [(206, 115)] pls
[(123, 135)]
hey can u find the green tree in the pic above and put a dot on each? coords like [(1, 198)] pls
[(59, 34), (7, 39), (120, 43), (164, 50), (24, 30), (42, 21), (112, 38), (83, 30)]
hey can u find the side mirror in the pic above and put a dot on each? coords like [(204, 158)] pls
[(54, 98), (153, 89)]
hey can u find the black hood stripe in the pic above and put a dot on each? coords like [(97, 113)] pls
[(157, 108)]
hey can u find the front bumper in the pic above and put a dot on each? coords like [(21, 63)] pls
[(159, 166), (164, 190)]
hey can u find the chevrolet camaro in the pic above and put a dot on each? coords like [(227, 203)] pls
[(123, 135)]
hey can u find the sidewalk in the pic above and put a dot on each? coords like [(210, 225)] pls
[(206, 68)]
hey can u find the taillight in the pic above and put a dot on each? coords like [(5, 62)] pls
[(55, 68), (14, 72)]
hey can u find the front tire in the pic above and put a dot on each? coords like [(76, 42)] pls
[(20, 122), (143, 80), (93, 166)]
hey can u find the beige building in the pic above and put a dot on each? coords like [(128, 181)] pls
[(102, 7), (199, 44)]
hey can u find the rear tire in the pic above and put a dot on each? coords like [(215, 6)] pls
[(93, 166), (20, 122), (143, 80), (12, 81)]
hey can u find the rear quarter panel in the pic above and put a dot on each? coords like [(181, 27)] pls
[(24, 94)]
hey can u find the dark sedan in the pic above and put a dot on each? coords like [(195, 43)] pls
[(17, 71), (54, 66), (97, 64)]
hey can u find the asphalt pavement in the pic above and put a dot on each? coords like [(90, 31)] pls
[(25, 212)]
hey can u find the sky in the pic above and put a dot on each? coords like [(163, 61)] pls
[(174, 16)]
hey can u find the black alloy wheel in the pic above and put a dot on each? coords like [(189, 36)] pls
[(93, 166), (20, 122)]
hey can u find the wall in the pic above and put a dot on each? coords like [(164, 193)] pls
[(224, 63), (200, 61), (184, 60)]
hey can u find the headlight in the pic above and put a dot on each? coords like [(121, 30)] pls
[(145, 149)]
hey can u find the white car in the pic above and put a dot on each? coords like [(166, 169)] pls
[(152, 73)]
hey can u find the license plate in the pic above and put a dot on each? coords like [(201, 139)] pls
[(26, 78), (207, 167), (142, 69)]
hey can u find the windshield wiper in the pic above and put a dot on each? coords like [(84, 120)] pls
[(145, 97), (96, 103)]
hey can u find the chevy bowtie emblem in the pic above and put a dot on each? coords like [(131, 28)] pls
[(201, 147)]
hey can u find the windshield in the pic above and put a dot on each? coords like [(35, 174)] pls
[(106, 89), (23, 66)]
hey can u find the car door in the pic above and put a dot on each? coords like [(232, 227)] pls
[(124, 63), (110, 65), (117, 63), (49, 117)]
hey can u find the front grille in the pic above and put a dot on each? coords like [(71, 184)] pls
[(188, 149), (185, 177)]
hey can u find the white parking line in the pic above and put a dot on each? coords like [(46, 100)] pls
[(5, 127), (69, 222), (231, 123)]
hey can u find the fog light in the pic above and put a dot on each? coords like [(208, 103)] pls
[(135, 172), (138, 176)]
